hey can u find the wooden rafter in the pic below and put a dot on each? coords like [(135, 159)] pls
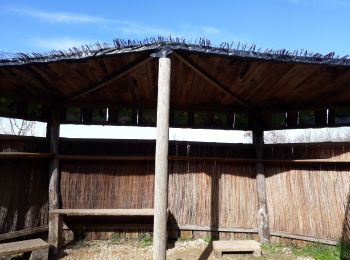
[(213, 81), (108, 79)]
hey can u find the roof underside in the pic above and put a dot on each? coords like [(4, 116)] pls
[(262, 80)]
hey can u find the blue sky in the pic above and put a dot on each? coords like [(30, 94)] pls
[(315, 25)]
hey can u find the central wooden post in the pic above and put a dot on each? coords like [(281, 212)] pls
[(53, 133), (161, 161), (263, 217)]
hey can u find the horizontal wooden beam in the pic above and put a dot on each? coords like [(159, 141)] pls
[(215, 229), (198, 158), (24, 232), (213, 81), (107, 80), (103, 212), (24, 155), (104, 158), (304, 238)]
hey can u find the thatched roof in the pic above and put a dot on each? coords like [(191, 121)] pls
[(202, 46), (238, 77)]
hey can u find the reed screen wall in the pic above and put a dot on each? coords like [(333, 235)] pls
[(304, 199)]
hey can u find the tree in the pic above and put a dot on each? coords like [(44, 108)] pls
[(13, 126)]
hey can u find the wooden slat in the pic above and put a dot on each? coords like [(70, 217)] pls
[(7, 155), (105, 158), (22, 246), (24, 232), (197, 158), (304, 238), (103, 212)]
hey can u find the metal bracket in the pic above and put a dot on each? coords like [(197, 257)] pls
[(163, 52)]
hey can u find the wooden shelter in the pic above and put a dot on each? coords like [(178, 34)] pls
[(269, 190)]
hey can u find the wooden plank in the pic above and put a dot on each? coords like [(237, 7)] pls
[(105, 158), (24, 155), (198, 158), (304, 238), (103, 212), (263, 217), (216, 229), (22, 246), (24, 232), (161, 161)]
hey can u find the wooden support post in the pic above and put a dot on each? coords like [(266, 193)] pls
[(55, 232), (263, 217), (161, 161), (53, 132)]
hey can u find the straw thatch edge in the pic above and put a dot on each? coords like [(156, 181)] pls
[(202, 46)]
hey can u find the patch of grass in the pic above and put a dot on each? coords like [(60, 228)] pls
[(318, 251), (208, 239), (184, 239), (116, 239), (145, 240), (315, 250), (273, 249)]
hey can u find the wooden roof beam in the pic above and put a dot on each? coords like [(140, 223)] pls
[(213, 81), (107, 80)]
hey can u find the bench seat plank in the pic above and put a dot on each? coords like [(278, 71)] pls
[(23, 232), (23, 246), (104, 212)]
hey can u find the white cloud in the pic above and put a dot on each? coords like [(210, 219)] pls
[(57, 17), (122, 28), (62, 43)]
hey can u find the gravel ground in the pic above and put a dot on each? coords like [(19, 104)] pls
[(133, 250)]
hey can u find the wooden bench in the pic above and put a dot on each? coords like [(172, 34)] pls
[(56, 220), (38, 247), (23, 233), (236, 246)]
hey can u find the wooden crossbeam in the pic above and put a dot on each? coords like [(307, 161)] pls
[(213, 81), (108, 79)]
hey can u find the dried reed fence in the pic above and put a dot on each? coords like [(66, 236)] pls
[(303, 199), (23, 194), (200, 193)]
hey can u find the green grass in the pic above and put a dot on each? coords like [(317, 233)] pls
[(145, 240), (314, 250), (208, 239), (273, 249), (116, 239)]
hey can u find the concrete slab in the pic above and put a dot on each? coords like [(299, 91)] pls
[(236, 246)]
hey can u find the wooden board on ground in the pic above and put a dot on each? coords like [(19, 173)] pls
[(236, 246), (22, 246)]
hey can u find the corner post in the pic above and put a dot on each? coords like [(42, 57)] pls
[(161, 158), (262, 217), (53, 133)]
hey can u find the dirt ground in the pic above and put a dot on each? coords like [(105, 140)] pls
[(182, 250)]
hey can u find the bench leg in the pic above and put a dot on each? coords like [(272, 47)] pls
[(55, 232), (257, 253), (42, 254), (218, 254)]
